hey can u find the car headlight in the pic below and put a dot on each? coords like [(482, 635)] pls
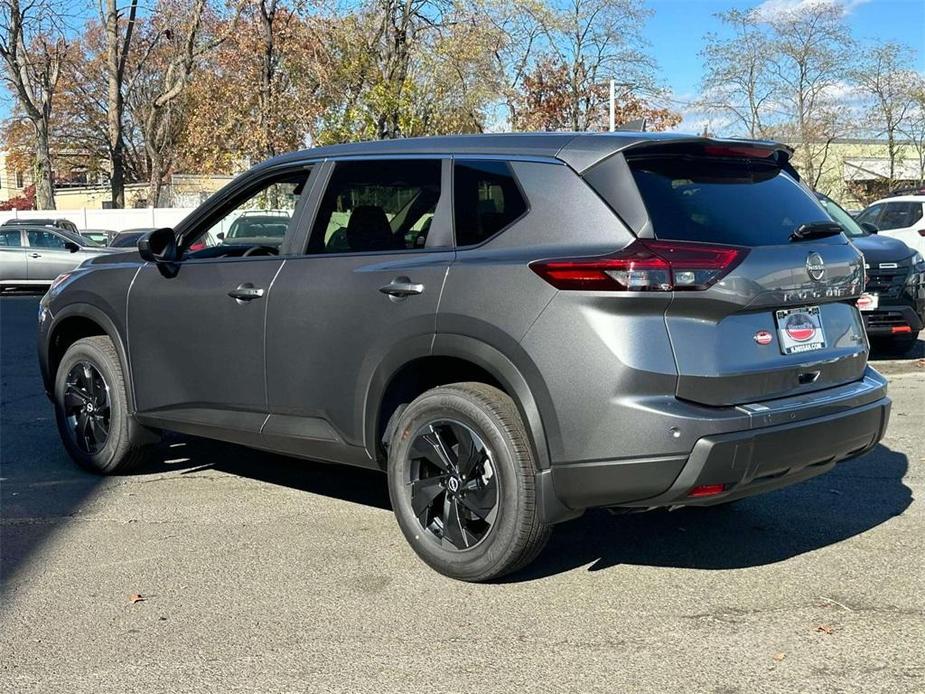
[(918, 262)]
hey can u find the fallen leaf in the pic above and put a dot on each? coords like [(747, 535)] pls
[(825, 629), (779, 656), (135, 597)]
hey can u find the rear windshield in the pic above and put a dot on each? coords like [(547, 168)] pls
[(743, 202)]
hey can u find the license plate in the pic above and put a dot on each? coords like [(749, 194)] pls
[(800, 330), (868, 302)]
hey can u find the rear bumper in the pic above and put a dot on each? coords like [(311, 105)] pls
[(886, 319), (746, 462)]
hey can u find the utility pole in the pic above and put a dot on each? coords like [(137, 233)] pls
[(613, 125)]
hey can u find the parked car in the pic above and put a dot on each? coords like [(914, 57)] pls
[(101, 237), (515, 327), (900, 217), (893, 305), (34, 255), (128, 238), (60, 223)]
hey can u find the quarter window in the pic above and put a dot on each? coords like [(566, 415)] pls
[(376, 206), (486, 200)]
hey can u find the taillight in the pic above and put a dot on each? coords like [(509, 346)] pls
[(921, 232), (645, 265)]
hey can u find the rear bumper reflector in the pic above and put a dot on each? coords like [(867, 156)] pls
[(707, 490), (900, 329)]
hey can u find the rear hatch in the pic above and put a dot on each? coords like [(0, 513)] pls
[(780, 319)]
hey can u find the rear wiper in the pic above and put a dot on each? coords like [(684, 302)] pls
[(815, 230)]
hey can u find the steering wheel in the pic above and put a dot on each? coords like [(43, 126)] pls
[(259, 250)]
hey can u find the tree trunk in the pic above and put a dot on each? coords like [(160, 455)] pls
[(42, 172), (116, 52)]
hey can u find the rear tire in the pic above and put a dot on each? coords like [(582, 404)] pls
[(91, 409), (462, 481)]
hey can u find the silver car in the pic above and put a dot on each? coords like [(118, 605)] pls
[(34, 256)]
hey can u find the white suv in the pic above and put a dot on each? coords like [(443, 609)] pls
[(901, 217)]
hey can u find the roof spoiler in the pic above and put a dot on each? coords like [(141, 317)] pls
[(636, 126)]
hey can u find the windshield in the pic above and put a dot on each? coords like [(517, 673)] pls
[(741, 202), (845, 220)]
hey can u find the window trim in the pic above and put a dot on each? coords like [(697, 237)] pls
[(523, 194), (330, 165)]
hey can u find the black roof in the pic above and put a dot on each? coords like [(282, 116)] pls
[(578, 150)]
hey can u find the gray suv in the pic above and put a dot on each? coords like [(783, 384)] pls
[(35, 255), (516, 328)]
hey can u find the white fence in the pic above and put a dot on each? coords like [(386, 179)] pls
[(115, 220)]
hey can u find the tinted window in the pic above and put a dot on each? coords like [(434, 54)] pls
[(746, 203), (486, 199), (385, 205), (126, 240), (871, 214), (44, 239), (897, 215), (10, 238)]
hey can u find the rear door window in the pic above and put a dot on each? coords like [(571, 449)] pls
[(745, 202), (377, 205), (898, 215), (486, 199)]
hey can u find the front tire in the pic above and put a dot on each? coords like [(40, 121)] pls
[(462, 481), (91, 409)]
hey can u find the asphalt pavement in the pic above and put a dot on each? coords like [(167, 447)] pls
[(218, 569)]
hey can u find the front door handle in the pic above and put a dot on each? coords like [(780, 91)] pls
[(401, 287), (36, 255), (246, 292)]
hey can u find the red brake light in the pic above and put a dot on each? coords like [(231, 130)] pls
[(740, 151), (644, 265)]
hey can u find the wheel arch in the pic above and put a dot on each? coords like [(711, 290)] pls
[(77, 321), (451, 359)]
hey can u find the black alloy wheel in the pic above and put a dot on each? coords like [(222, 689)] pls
[(452, 484), (87, 407)]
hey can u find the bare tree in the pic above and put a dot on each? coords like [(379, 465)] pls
[(912, 127), (596, 41), (33, 49), (158, 81), (737, 72), (812, 53), (886, 78), (118, 45)]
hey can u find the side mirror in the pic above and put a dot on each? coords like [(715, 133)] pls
[(220, 236), (158, 246), (869, 227), (71, 246)]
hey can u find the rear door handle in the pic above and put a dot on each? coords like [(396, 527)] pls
[(36, 255), (246, 292), (401, 287)]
